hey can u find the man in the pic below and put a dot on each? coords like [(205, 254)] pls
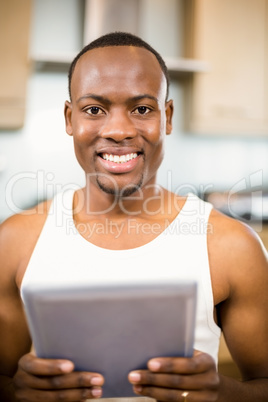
[(119, 115)]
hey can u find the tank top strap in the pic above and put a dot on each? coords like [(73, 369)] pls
[(195, 207), (61, 208), (193, 220)]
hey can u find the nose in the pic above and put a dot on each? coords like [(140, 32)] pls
[(118, 126)]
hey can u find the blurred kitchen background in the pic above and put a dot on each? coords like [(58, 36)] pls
[(217, 54)]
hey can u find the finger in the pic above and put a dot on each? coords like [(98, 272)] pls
[(77, 379), (37, 366), (33, 395), (174, 381), (162, 394), (199, 363)]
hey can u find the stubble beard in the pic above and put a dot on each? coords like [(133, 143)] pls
[(126, 191)]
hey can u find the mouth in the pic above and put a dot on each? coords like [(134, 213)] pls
[(119, 158), (118, 162)]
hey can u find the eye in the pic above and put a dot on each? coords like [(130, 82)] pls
[(94, 110), (142, 110)]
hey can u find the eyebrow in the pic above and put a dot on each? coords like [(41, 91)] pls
[(143, 96), (103, 99), (98, 98)]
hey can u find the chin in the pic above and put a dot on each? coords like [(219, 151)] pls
[(116, 190)]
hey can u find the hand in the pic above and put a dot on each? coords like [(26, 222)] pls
[(54, 380), (167, 378)]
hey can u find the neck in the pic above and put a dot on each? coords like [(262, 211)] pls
[(149, 200)]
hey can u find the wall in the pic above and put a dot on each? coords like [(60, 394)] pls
[(39, 160)]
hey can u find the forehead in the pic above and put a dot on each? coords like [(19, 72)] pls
[(118, 68)]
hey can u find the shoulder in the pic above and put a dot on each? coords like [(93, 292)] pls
[(236, 253), (29, 221), (18, 237), (234, 236)]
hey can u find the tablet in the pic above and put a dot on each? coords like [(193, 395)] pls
[(112, 329)]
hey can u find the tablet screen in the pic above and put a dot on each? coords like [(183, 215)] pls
[(112, 329)]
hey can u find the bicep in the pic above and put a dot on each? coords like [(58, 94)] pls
[(244, 314), (15, 339)]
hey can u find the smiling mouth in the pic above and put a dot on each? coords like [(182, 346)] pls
[(119, 158)]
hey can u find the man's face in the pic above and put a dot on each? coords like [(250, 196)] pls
[(118, 117)]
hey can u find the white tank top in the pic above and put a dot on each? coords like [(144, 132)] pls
[(62, 256)]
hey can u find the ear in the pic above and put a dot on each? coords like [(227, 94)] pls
[(68, 118), (169, 115)]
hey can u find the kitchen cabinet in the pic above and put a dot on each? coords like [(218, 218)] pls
[(102, 16), (231, 98), (15, 18)]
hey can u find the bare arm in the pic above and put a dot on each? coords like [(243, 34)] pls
[(244, 314), (23, 376), (239, 274), (15, 339)]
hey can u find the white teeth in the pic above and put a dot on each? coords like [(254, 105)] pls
[(119, 158)]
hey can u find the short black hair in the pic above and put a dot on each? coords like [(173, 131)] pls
[(118, 39)]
